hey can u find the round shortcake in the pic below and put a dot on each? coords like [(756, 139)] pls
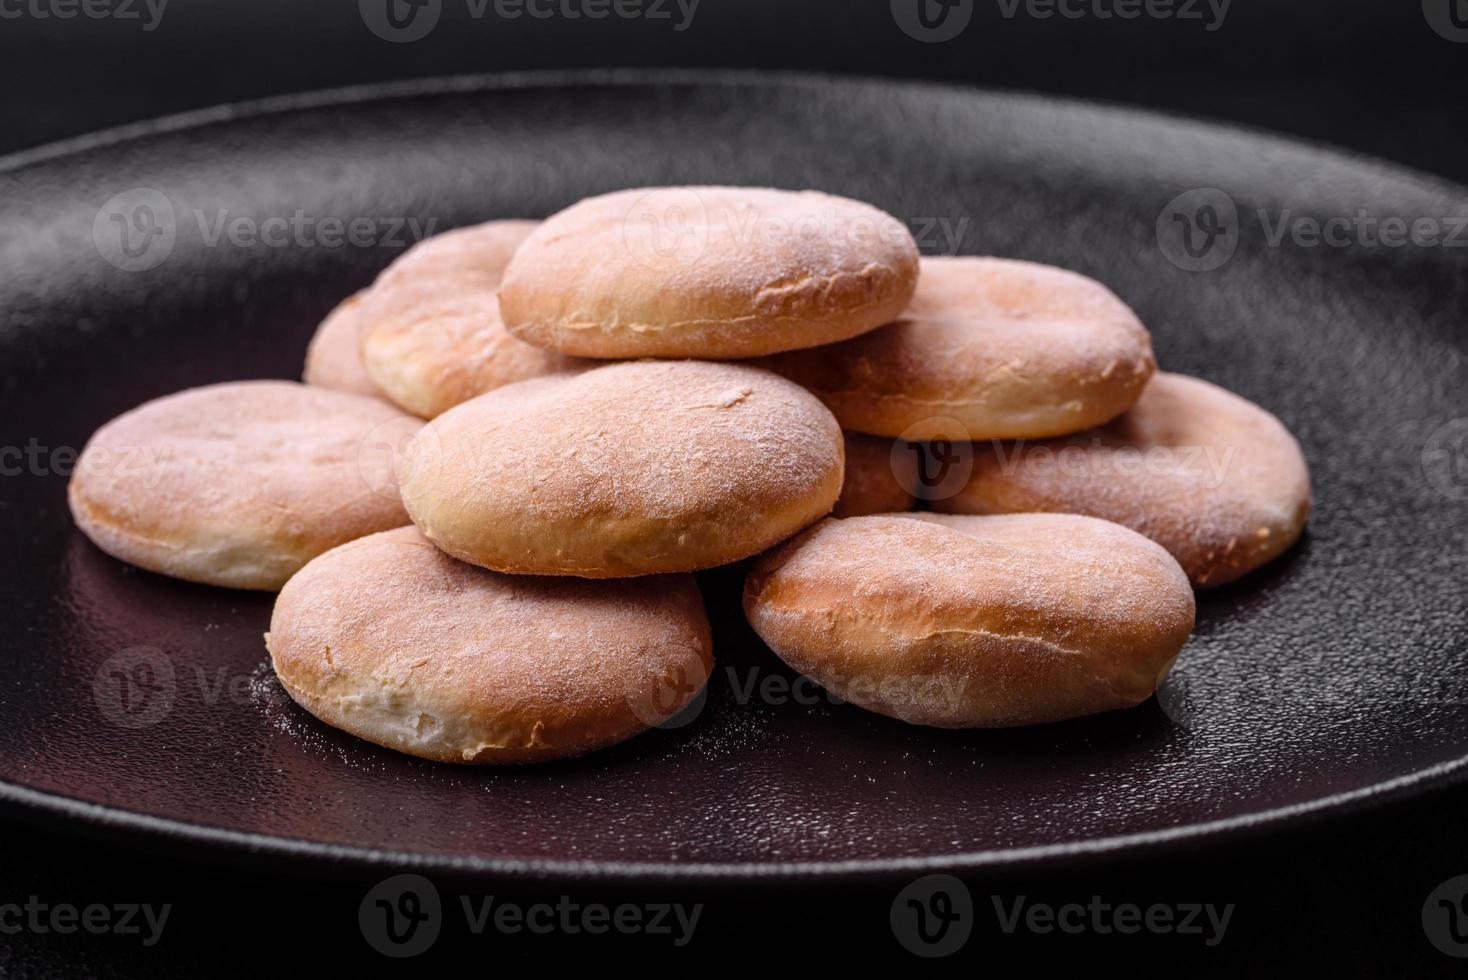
[(998, 348), (334, 356), (1213, 478), (629, 469), (707, 272), (392, 640), (431, 331), (974, 622), (240, 484)]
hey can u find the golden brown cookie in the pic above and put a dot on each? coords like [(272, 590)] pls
[(630, 469), (707, 272), (432, 333), (240, 484), (334, 356), (974, 622), (1213, 478), (1004, 349), (392, 640)]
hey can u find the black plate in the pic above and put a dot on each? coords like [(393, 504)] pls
[(1334, 677)]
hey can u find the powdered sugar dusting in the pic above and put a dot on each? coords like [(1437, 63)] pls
[(1008, 348), (1215, 479), (686, 445), (245, 477), (430, 328), (708, 271), (959, 621), (391, 639)]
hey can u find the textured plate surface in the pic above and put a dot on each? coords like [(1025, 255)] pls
[(1336, 676)]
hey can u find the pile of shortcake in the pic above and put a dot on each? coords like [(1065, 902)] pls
[(961, 492)]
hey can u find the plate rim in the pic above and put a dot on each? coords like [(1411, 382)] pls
[(26, 802), (82, 816), (344, 95)]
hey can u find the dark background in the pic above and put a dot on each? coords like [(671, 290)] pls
[(1372, 77)]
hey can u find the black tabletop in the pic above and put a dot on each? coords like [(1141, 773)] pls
[(1349, 894), (1359, 892)]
